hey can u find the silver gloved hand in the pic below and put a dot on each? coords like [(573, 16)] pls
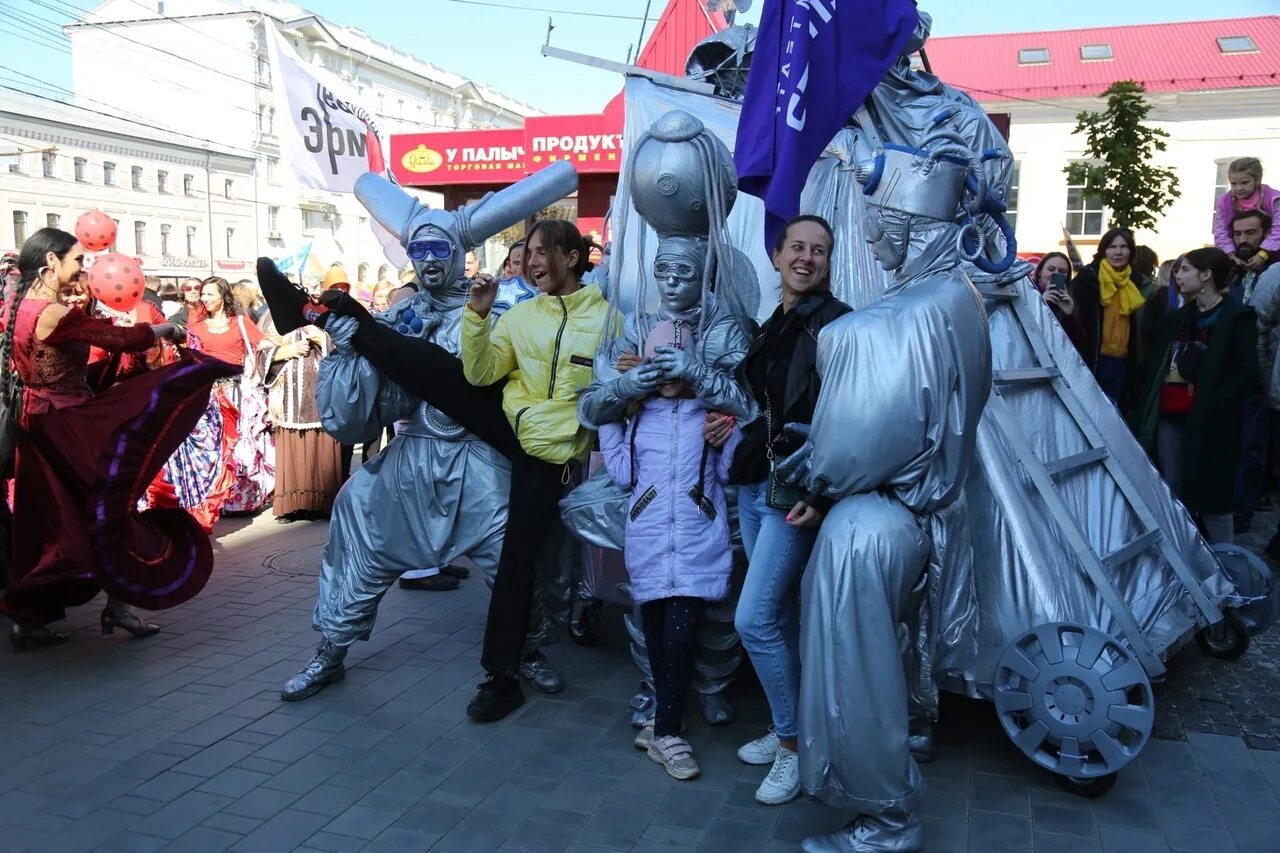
[(342, 331), (794, 467), (677, 363), (637, 382)]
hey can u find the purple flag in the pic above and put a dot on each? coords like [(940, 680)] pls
[(815, 62)]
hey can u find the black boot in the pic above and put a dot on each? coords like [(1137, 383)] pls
[(291, 307), (325, 668), (498, 696), (21, 636)]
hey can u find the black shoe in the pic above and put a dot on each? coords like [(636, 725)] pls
[(128, 621), (459, 572), (1273, 547), (22, 636), (325, 668), (498, 696), (540, 674), (288, 302), (434, 583)]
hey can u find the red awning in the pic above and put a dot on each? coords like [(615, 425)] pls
[(593, 143)]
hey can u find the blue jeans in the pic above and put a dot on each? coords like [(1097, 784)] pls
[(768, 615)]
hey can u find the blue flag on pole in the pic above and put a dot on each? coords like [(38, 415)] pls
[(815, 63)]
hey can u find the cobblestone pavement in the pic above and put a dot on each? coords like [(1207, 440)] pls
[(179, 742), (1237, 698)]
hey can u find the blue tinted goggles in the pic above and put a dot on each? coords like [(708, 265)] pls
[(440, 250)]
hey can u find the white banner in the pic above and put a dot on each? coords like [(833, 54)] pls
[(327, 138), (326, 134)]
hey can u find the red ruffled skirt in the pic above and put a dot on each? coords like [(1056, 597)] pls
[(80, 472)]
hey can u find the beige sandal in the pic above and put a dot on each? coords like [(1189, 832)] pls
[(675, 754)]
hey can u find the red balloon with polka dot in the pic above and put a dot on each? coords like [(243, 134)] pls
[(95, 230), (116, 281)]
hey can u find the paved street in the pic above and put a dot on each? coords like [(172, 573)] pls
[(180, 742)]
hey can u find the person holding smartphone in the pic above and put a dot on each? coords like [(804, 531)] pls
[(1052, 278)]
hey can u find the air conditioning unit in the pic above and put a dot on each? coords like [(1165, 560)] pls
[(274, 235)]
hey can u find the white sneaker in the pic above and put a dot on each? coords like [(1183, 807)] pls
[(782, 785), (762, 750)]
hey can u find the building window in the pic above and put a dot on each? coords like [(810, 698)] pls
[(226, 188), (109, 174), (191, 241), (136, 171), (162, 181), (1033, 56), (400, 107), (164, 238), (19, 228), (115, 240), (79, 164), (315, 220), (273, 171), (13, 161), (1221, 183), (1011, 213), (1236, 44), (271, 120), (1084, 211), (1096, 52), (231, 242), (188, 184), (53, 220), (49, 162), (139, 238), (273, 219)]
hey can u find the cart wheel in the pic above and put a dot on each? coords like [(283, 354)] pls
[(1074, 700), (1225, 640), (1090, 788)]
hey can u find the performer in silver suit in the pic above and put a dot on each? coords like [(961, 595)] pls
[(436, 493), (681, 181), (904, 384)]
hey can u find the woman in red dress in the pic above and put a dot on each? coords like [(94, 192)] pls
[(83, 459), (228, 462)]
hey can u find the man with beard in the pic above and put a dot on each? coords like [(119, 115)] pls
[(1248, 229)]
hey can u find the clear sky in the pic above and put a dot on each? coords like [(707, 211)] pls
[(500, 46)]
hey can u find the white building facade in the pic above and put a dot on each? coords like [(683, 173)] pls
[(1212, 86), (177, 204), (201, 67)]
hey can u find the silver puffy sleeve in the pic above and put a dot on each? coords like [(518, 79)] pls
[(600, 403), (721, 384), (356, 401)]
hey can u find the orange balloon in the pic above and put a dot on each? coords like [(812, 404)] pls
[(95, 230), (116, 281)]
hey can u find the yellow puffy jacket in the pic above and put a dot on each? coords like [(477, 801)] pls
[(544, 346)]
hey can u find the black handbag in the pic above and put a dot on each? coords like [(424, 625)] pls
[(780, 495)]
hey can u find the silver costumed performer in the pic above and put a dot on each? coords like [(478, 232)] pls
[(436, 492), (680, 179), (893, 437)]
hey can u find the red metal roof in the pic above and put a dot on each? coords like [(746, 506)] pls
[(1178, 57), (683, 24)]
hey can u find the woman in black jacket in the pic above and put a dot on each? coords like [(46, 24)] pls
[(1203, 364), (779, 525), (1108, 295)]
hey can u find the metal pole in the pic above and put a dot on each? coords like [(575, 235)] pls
[(643, 23)]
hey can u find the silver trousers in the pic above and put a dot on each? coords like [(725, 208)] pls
[(856, 595)]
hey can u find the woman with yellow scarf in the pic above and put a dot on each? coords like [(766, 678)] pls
[(1109, 294)]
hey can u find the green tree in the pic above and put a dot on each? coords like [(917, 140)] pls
[(1120, 148)]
